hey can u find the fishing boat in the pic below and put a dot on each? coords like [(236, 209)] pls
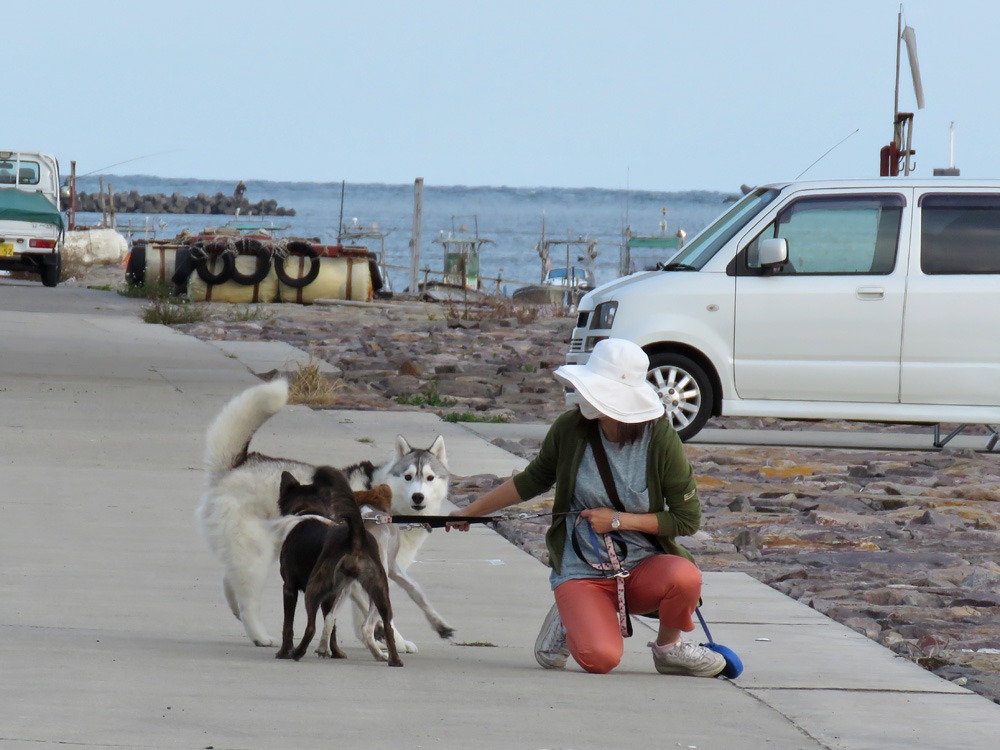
[(460, 279), (561, 286), (645, 252)]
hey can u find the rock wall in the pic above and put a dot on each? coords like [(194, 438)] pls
[(134, 202)]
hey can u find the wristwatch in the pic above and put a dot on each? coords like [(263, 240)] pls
[(616, 522)]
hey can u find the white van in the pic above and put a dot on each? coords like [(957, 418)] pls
[(857, 300), (31, 226)]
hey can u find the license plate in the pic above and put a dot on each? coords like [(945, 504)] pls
[(6, 249)]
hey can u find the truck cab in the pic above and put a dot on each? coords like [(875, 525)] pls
[(31, 226)]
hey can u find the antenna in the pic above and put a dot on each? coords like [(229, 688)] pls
[(895, 156)]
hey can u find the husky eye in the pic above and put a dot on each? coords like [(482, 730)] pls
[(408, 477), (430, 477)]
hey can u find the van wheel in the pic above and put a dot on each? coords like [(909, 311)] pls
[(685, 390)]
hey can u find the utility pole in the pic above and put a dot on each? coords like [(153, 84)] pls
[(418, 208)]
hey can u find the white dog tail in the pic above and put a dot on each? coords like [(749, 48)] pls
[(228, 437), (283, 525)]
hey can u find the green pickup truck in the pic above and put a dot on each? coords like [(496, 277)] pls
[(31, 226)]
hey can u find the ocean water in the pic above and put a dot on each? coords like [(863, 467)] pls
[(511, 217)]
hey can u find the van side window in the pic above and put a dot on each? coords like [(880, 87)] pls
[(960, 234), (836, 235)]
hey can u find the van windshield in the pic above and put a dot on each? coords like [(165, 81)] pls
[(708, 242)]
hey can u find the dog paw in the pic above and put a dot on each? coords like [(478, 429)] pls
[(445, 631), (407, 647), (263, 641)]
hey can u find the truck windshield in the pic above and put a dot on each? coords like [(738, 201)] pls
[(707, 243)]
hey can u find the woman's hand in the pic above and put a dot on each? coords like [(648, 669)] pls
[(601, 518), (457, 525)]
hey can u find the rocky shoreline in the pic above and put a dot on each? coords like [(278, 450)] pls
[(900, 546)]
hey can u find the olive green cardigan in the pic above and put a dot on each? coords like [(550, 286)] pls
[(673, 495)]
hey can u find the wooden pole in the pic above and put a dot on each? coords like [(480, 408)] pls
[(418, 209), (72, 195)]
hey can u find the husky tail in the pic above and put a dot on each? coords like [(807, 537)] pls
[(228, 437)]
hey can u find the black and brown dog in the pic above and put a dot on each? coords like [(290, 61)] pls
[(322, 559)]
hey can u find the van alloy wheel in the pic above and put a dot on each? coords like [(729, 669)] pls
[(685, 390)]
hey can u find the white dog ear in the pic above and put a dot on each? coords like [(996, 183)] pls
[(437, 449), (402, 447)]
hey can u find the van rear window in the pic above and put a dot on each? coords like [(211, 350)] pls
[(960, 234)]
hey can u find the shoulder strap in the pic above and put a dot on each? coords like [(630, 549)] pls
[(601, 458)]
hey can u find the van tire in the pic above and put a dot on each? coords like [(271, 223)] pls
[(685, 389)]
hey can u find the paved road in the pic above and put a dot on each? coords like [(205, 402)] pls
[(113, 631)]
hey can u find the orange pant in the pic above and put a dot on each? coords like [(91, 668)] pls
[(668, 584)]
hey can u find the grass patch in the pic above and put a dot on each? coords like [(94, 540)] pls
[(245, 313), (168, 314), (310, 386), (469, 416), (477, 644), (152, 290), (430, 396)]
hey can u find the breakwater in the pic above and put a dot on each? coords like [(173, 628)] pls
[(134, 202)]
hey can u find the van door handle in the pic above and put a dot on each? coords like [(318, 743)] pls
[(868, 293)]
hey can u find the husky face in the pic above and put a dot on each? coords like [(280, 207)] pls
[(418, 478)]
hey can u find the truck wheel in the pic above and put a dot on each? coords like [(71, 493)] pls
[(51, 269), (135, 267), (685, 390)]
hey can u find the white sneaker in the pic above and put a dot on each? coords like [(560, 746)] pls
[(551, 651), (689, 659)]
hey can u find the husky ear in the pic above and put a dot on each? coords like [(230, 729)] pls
[(288, 482), (402, 447), (437, 449)]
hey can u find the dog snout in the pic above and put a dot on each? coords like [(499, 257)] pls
[(417, 498)]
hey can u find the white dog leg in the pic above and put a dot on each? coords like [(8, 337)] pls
[(368, 635), (412, 588), (246, 587)]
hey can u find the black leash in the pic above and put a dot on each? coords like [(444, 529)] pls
[(439, 522)]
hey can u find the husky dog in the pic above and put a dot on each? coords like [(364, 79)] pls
[(239, 516), (240, 504), (418, 479)]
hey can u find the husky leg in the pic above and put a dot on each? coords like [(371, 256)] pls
[(247, 586), (368, 634), (412, 588), (227, 589), (328, 640)]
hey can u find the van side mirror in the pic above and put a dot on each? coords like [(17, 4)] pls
[(773, 252)]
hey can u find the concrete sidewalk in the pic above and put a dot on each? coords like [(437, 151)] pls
[(114, 633)]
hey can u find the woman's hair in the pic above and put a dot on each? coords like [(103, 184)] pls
[(627, 432)]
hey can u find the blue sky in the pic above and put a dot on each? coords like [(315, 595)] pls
[(643, 94)]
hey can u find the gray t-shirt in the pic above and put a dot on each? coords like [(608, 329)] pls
[(628, 468)]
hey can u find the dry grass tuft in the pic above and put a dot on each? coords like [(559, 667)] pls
[(311, 387)]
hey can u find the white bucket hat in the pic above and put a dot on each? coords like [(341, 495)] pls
[(614, 382)]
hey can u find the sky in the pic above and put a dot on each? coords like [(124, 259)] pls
[(635, 94)]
